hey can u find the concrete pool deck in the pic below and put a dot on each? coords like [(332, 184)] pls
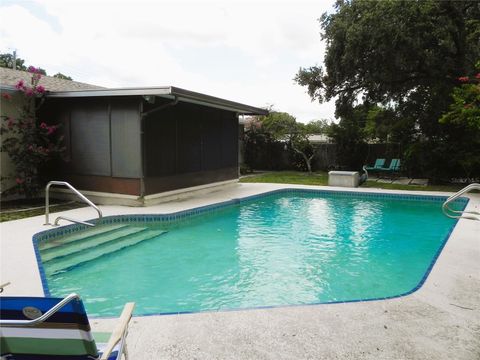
[(439, 321)]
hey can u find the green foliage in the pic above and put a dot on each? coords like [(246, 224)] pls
[(41, 71), (272, 140), (61, 76), (261, 149), (284, 127), (6, 61), (405, 57), (380, 124), (317, 127), (384, 50), (465, 109), (279, 124), (29, 143), (349, 137), (464, 114)]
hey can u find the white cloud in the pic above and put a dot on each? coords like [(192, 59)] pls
[(245, 51)]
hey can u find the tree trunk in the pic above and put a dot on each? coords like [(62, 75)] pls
[(308, 160)]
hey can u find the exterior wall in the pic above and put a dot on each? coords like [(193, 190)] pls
[(182, 145), (103, 184), (241, 144), (188, 145), (10, 109), (103, 145)]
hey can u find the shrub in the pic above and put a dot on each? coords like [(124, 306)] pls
[(29, 142)]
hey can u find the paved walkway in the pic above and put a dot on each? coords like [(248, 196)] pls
[(439, 321)]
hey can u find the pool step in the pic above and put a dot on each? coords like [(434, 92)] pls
[(67, 262), (74, 247), (79, 236)]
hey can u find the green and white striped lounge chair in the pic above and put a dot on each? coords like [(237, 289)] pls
[(36, 328)]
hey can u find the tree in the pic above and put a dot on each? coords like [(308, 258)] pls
[(350, 138), (465, 108), (261, 149), (464, 112), (404, 55), (317, 126), (61, 76), (6, 61), (284, 127)]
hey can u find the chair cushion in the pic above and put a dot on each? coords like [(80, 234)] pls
[(113, 355), (65, 334)]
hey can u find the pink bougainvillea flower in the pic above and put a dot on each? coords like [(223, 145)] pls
[(40, 89), (43, 125), (7, 96), (477, 76), (463, 78), (28, 91), (32, 69), (51, 130), (19, 181), (30, 147), (20, 85)]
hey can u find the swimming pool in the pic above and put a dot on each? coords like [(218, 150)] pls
[(288, 247)]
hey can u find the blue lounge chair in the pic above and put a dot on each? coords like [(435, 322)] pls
[(378, 165), (35, 328)]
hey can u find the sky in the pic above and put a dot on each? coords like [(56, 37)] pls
[(245, 51)]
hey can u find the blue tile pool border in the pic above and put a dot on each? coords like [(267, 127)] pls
[(180, 216)]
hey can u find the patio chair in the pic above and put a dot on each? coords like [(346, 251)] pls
[(40, 328), (394, 166), (378, 165)]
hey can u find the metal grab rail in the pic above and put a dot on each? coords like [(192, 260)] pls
[(448, 211), (80, 195), (42, 318)]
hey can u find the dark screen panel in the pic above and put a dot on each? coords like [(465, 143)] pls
[(90, 139), (189, 141), (161, 146), (188, 138), (212, 145), (126, 147), (229, 140)]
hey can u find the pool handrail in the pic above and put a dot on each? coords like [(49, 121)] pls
[(78, 193), (475, 215)]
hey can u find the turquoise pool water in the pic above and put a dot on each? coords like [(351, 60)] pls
[(282, 249)]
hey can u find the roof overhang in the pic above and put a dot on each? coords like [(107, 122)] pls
[(168, 92), (7, 88)]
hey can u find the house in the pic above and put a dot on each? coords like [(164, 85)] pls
[(8, 79), (316, 139), (143, 143)]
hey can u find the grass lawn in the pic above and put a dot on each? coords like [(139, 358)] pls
[(321, 178), (19, 209), (13, 210), (288, 177)]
